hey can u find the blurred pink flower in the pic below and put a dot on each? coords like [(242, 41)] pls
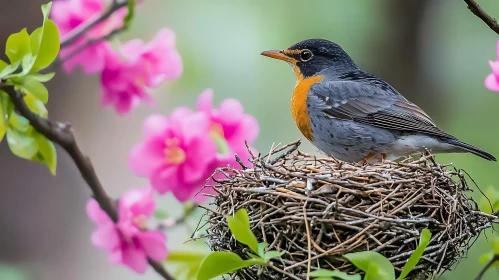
[(126, 241), (492, 80), (70, 14), (127, 75), (230, 123), (176, 154)]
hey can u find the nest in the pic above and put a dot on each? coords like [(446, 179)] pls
[(316, 209)]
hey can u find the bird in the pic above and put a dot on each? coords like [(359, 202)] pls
[(354, 116)]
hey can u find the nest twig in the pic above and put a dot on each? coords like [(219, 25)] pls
[(316, 209)]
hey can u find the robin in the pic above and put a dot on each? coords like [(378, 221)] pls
[(354, 116)]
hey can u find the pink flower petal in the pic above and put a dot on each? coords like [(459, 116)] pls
[(165, 179), (105, 237), (155, 125), (494, 65), (186, 191), (202, 151), (139, 201), (147, 157), (115, 256), (231, 111), (196, 124), (132, 49), (491, 82), (135, 258), (248, 130), (96, 214), (205, 101), (154, 244)]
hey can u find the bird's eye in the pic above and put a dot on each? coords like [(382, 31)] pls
[(306, 55)]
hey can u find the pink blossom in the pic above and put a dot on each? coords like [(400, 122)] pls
[(230, 123), (126, 241), (177, 153), (129, 74), (70, 14), (182, 151), (492, 80)]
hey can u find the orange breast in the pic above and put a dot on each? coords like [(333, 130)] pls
[(299, 108)]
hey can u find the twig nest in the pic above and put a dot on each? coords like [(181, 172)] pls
[(349, 208)]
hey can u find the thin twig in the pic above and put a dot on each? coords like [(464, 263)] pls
[(487, 266), (282, 271), (85, 45), (180, 220), (83, 28), (479, 12), (62, 134), (308, 239)]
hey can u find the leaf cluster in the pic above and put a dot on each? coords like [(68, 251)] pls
[(28, 55)]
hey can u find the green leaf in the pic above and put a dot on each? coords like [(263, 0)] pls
[(413, 260), (20, 144), (3, 65), (131, 13), (36, 105), (46, 152), (324, 273), (45, 44), (272, 254), (242, 216), (261, 248), (18, 46), (495, 245), (220, 263), (253, 256), (485, 258), (220, 142), (9, 69), (182, 256), (188, 262), (28, 84), (49, 45), (375, 265), (239, 226), (18, 122), (161, 214), (4, 113), (42, 77)]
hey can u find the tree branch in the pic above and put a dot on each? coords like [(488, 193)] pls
[(59, 60), (178, 221), (486, 267), (62, 134), (479, 12), (86, 26)]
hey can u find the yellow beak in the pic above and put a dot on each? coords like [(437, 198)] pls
[(278, 54)]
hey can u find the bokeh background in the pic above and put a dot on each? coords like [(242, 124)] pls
[(434, 52)]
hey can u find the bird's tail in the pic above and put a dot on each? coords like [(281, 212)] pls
[(472, 149)]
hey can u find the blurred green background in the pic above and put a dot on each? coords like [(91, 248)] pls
[(434, 52)]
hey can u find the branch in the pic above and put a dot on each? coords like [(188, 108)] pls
[(83, 28), (62, 134), (486, 267), (82, 47), (178, 221), (479, 12)]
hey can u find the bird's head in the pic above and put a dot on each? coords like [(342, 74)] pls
[(308, 58)]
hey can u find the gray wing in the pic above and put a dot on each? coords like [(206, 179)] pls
[(374, 102)]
